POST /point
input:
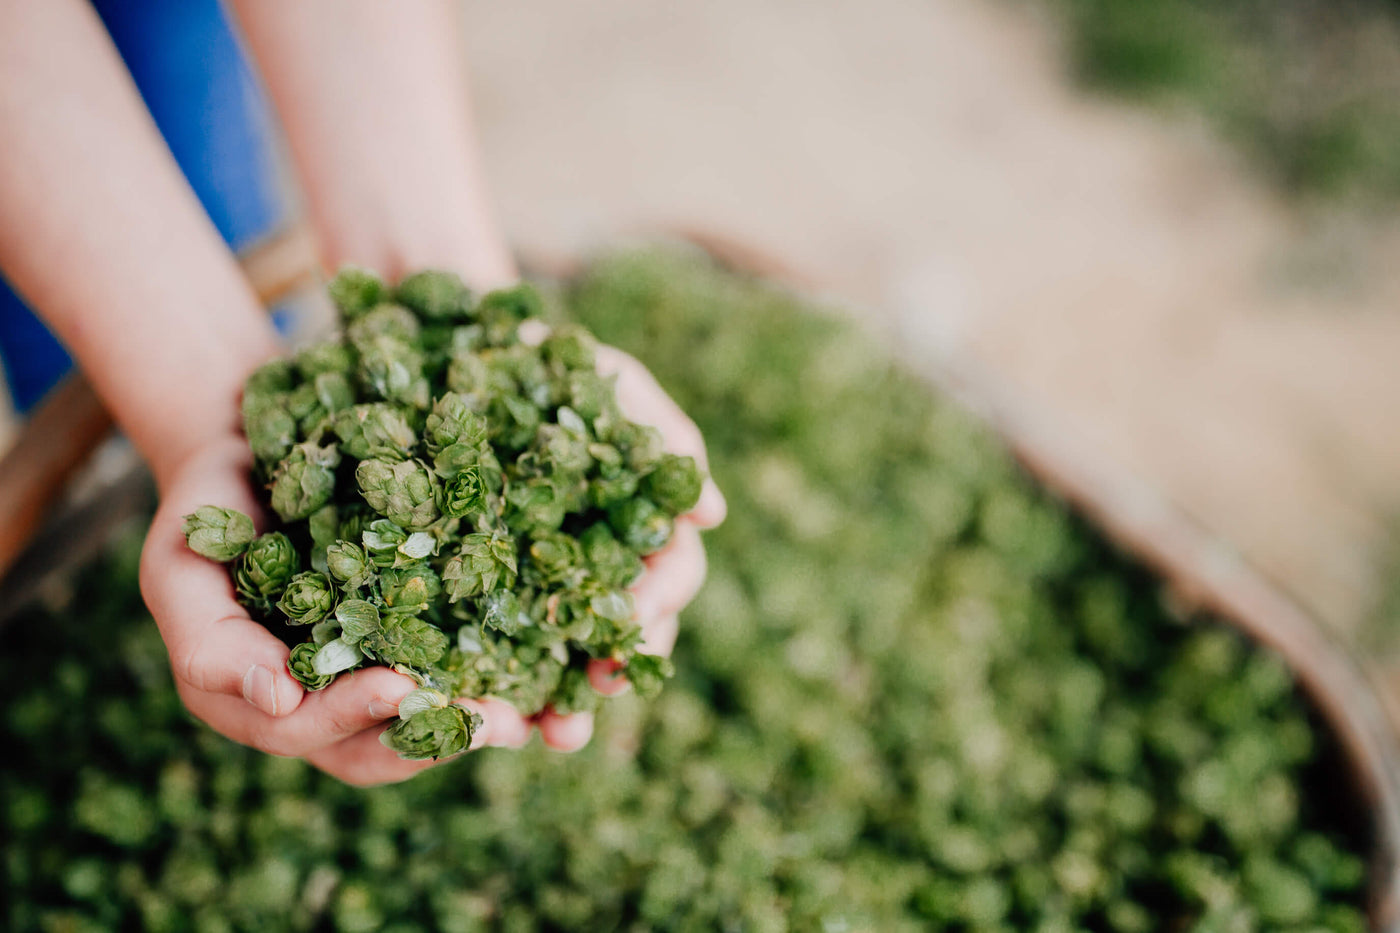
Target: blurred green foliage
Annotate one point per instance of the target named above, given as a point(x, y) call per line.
point(915, 694)
point(1308, 88)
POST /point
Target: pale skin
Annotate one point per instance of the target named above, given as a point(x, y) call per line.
point(103, 237)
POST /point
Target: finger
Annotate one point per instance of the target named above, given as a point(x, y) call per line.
point(565, 733)
point(605, 676)
point(364, 761)
point(673, 575)
point(501, 724)
point(353, 703)
point(659, 636)
point(213, 645)
point(710, 509)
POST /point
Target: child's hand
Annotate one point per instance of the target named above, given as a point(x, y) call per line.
point(231, 671)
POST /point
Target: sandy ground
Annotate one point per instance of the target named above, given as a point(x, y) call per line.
point(926, 163)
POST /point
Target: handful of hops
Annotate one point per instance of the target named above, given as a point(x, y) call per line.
point(456, 504)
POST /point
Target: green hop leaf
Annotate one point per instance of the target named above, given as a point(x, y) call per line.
point(435, 295)
point(307, 599)
point(405, 640)
point(218, 534)
point(301, 666)
point(483, 564)
point(432, 733)
point(265, 569)
point(335, 656)
point(304, 481)
point(405, 492)
point(357, 619)
point(674, 485)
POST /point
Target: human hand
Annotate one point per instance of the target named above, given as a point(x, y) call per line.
point(231, 671)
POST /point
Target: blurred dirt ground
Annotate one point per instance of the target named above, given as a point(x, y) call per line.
point(926, 164)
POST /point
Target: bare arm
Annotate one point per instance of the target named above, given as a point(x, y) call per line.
point(373, 101)
point(100, 232)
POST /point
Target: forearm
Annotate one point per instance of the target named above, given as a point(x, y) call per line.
point(101, 234)
point(372, 97)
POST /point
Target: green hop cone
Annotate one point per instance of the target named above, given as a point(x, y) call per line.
point(571, 348)
point(392, 369)
point(376, 429)
point(405, 640)
point(483, 564)
point(325, 358)
point(357, 618)
point(435, 296)
point(265, 569)
point(274, 377)
point(463, 494)
point(382, 540)
point(609, 561)
point(354, 291)
point(413, 586)
point(647, 673)
point(308, 599)
point(556, 560)
point(501, 610)
point(385, 321)
point(304, 481)
point(453, 421)
point(501, 312)
point(218, 534)
point(269, 427)
point(640, 524)
point(349, 565)
point(301, 666)
point(405, 492)
point(432, 733)
point(674, 485)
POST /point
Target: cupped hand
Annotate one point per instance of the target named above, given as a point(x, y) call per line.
point(231, 672)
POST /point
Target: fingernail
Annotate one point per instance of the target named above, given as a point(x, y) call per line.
point(382, 709)
point(260, 689)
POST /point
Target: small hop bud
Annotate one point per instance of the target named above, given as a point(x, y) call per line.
point(349, 565)
point(484, 564)
point(609, 561)
point(354, 290)
point(641, 445)
point(301, 665)
point(640, 524)
point(405, 640)
point(271, 378)
point(435, 295)
point(570, 348)
point(218, 534)
point(432, 733)
point(453, 421)
point(393, 370)
point(647, 673)
point(674, 485)
point(464, 494)
point(328, 357)
point(501, 610)
point(412, 586)
point(397, 324)
point(270, 428)
point(308, 599)
point(556, 559)
point(376, 429)
point(267, 566)
point(382, 540)
point(501, 312)
point(304, 481)
point(405, 492)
